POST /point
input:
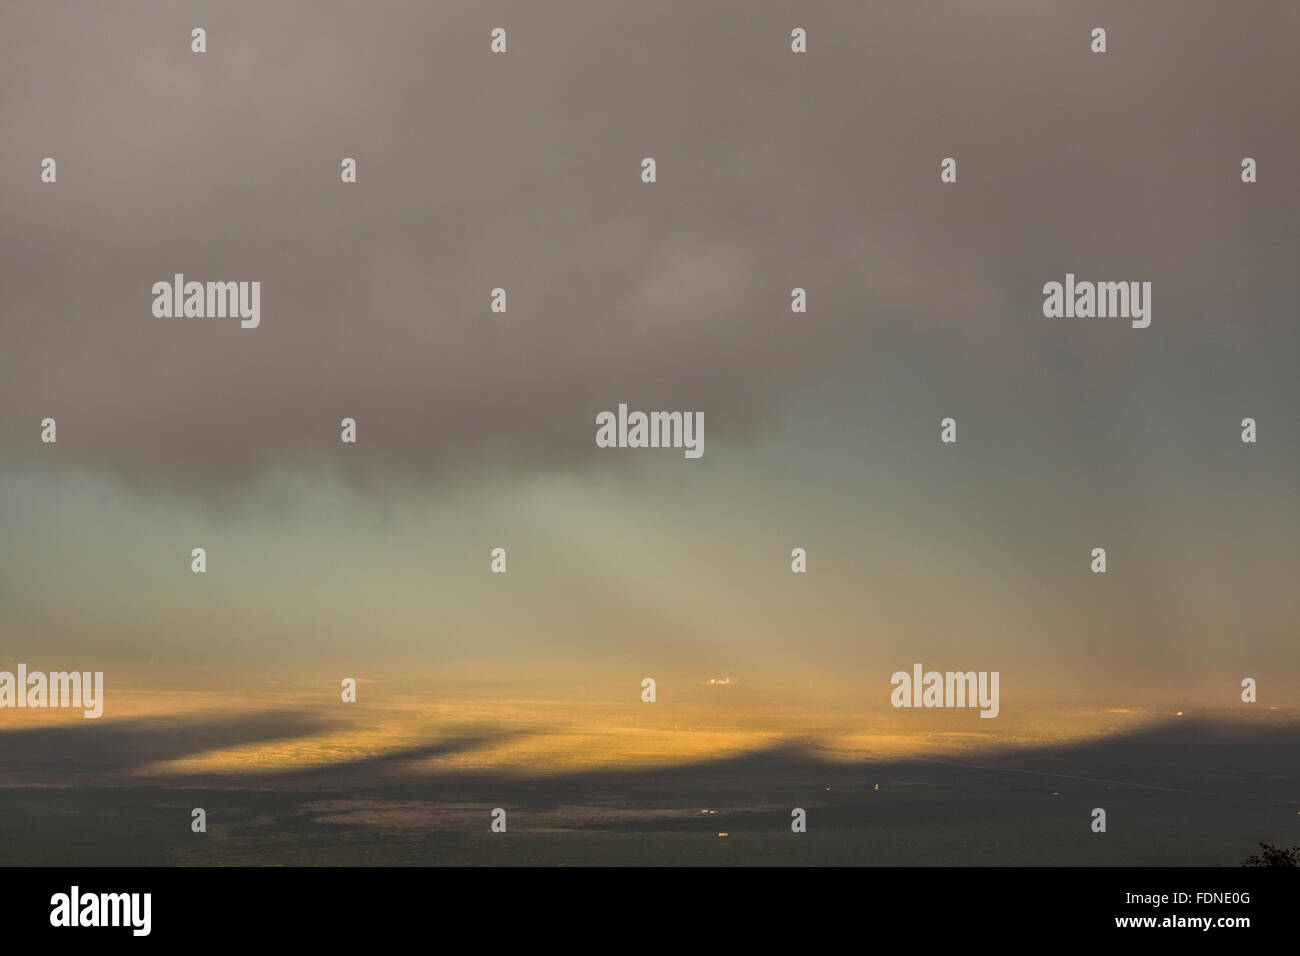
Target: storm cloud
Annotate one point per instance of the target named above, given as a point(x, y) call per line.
point(522, 171)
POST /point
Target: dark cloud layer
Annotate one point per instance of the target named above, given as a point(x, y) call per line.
point(522, 171)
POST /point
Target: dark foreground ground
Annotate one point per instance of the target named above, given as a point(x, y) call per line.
point(1185, 794)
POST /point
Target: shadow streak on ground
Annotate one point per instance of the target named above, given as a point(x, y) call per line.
point(1182, 793)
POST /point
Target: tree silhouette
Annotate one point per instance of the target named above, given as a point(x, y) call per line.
point(1274, 856)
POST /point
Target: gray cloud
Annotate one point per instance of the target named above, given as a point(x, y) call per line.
point(522, 171)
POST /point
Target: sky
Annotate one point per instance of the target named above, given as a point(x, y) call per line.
point(476, 429)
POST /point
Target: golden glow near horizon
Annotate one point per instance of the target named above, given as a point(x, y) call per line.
point(418, 735)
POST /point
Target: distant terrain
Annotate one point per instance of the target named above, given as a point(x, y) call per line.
point(1177, 792)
